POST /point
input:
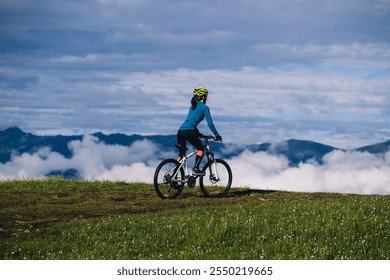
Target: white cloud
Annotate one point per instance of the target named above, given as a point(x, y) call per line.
point(353, 55)
point(344, 172)
point(78, 59)
point(92, 159)
point(136, 172)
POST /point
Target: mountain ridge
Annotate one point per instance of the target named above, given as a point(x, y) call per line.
point(14, 141)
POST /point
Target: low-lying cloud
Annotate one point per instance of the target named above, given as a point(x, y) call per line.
point(344, 172)
point(92, 159)
point(341, 171)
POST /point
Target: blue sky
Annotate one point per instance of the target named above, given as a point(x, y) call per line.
point(304, 69)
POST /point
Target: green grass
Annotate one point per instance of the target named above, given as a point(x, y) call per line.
point(66, 219)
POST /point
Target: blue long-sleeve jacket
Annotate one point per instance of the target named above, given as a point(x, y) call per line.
point(196, 116)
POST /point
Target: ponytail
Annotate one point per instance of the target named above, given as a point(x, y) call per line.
point(194, 102)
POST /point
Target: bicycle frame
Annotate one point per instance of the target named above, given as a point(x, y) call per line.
point(210, 157)
point(183, 162)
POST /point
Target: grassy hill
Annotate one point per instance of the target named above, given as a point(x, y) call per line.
point(69, 219)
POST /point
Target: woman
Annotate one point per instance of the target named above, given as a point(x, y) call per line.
point(188, 131)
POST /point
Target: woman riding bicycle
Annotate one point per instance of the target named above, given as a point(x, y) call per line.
point(188, 131)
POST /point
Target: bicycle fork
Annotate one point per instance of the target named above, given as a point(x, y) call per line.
point(214, 175)
point(213, 168)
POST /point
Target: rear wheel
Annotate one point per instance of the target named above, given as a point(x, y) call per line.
point(165, 183)
point(217, 179)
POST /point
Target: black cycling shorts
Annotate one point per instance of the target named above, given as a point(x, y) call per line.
point(191, 136)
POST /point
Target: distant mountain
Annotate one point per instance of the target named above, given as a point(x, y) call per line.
point(14, 141)
point(296, 150)
point(379, 148)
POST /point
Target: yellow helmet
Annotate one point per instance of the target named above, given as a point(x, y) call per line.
point(200, 92)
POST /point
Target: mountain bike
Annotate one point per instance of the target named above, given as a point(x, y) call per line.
point(171, 176)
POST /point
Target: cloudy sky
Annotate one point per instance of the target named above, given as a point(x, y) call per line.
point(275, 69)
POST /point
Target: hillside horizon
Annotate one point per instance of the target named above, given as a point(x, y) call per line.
point(14, 139)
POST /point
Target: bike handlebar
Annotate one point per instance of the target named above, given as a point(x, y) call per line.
point(208, 137)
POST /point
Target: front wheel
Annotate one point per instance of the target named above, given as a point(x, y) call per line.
point(217, 179)
point(168, 182)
